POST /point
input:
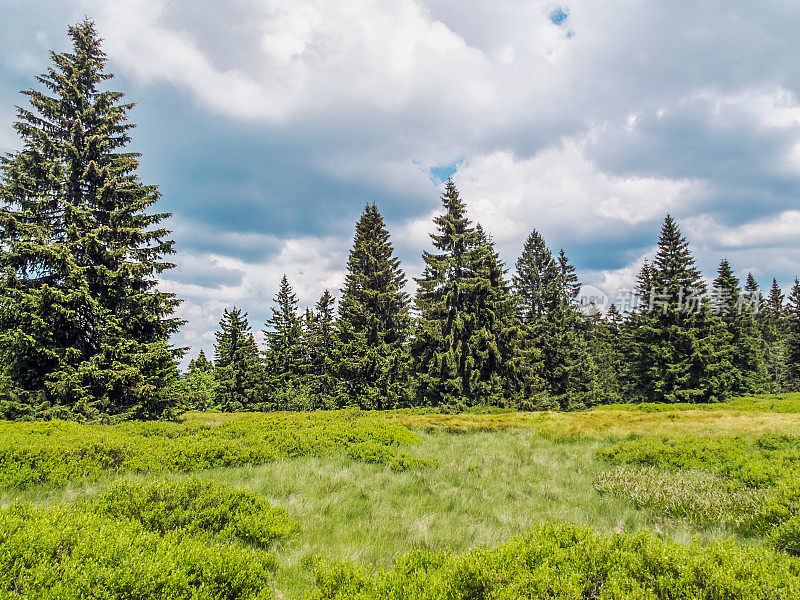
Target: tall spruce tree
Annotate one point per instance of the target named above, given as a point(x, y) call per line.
point(772, 321)
point(748, 358)
point(680, 351)
point(546, 288)
point(457, 348)
point(512, 365)
point(321, 346)
point(84, 330)
point(237, 368)
point(374, 321)
point(792, 324)
point(284, 357)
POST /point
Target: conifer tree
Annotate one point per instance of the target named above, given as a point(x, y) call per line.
point(606, 347)
point(84, 330)
point(536, 281)
point(680, 351)
point(772, 321)
point(373, 319)
point(284, 358)
point(792, 324)
point(201, 363)
point(200, 383)
point(748, 360)
point(546, 289)
point(237, 368)
point(511, 363)
point(321, 346)
point(569, 279)
point(457, 348)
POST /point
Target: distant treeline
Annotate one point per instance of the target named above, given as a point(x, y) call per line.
point(85, 331)
point(474, 336)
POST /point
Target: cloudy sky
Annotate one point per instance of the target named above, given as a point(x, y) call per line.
point(269, 124)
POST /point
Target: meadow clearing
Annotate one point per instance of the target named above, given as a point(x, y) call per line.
point(647, 501)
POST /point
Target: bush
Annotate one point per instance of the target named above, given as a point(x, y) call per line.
point(56, 452)
point(786, 537)
point(196, 507)
point(750, 462)
point(61, 553)
point(370, 452)
point(700, 497)
point(567, 562)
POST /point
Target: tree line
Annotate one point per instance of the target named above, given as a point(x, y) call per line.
point(85, 331)
point(473, 335)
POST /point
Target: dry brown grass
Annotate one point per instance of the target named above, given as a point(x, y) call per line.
point(600, 424)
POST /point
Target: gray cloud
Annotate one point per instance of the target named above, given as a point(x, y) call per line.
point(268, 126)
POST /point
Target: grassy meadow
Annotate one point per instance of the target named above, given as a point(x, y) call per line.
point(649, 501)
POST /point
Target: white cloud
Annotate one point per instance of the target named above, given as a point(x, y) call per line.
point(311, 265)
point(560, 191)
point(774, 231)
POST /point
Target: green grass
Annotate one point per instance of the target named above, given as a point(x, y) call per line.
point(57, 452)
point(486, 488)
point(361, 487)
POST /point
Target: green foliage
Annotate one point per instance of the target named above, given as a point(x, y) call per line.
point(284, 358)
point(397, 460)
point(54, 453)
point(237, 368)
point(545, 288)
point(767, 463)
point(196, 507)
point(563, 561)
point(679, 350)
point(84, 331)
point(746, 462)
point(321, 348)
point(786, 536)
point(792, 343)
point(704, 499)
point(467, 346)
point(748, 349)
point(62, 553)
point(374, 321)
point(200, 384)
point(788, 403)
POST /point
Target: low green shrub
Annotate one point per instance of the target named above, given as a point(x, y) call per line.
point(786, 536)
point(752, 484)
point(700, 497)
point(396, 459)
point(55, 452)
point(568, 562)
point(750, 462)
point(61, 553)
point(197, 507)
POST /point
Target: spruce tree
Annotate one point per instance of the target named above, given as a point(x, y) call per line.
point(321, 345)
point(606, 348)
point(84, 330)
point(792, 324)
point(546, 289)
point(374, 321)
point(237, 368)
point(511, 364)
point(200, 383)
point(569, 279)
point(748, 360)
point(772, 321)
point(284, 358)
point(461, 341)
point(680, 351)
